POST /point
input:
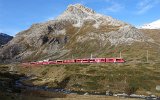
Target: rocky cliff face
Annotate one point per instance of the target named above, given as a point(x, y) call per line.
point(78, 31)
point(4, 38)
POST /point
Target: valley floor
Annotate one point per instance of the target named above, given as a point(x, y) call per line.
point(142, 79)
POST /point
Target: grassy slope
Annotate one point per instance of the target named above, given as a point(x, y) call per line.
point(90, 78)
point(137, 77)
point(152, 33)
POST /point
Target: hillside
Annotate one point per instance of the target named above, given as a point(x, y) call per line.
point(154, 33)
point(4, 39)
point(78, 32)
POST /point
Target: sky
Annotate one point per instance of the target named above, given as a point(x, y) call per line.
point(19, 15)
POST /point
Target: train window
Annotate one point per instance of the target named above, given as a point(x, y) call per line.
point(102, 59)
point(59, 61)
point(110, 59)
point(92, 59)
point(118, 60)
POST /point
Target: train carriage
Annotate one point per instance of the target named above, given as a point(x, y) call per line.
point(120, 60)
point(59, 61)
point(45, 62)
point(69, 61)
point(110, 60)
point(98, 60)
point(78, 60)
point(52, 62)
point(81, 60)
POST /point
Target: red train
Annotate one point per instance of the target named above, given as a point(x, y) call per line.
point(74, 61)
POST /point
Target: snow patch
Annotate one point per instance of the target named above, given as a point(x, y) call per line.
point(152, 25)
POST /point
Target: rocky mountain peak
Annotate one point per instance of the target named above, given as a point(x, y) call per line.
point(78, 14)
point(79, 9)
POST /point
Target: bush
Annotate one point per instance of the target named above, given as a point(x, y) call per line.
point(131, 88)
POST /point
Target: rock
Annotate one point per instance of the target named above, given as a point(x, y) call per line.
point(86, 93)
point(158, 87)
point(148, 92)
point(109, 93)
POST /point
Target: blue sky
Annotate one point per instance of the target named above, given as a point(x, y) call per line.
point(18, 15)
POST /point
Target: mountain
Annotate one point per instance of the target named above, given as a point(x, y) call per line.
point(152, 25)
point(4, 38)
point(77, 32)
